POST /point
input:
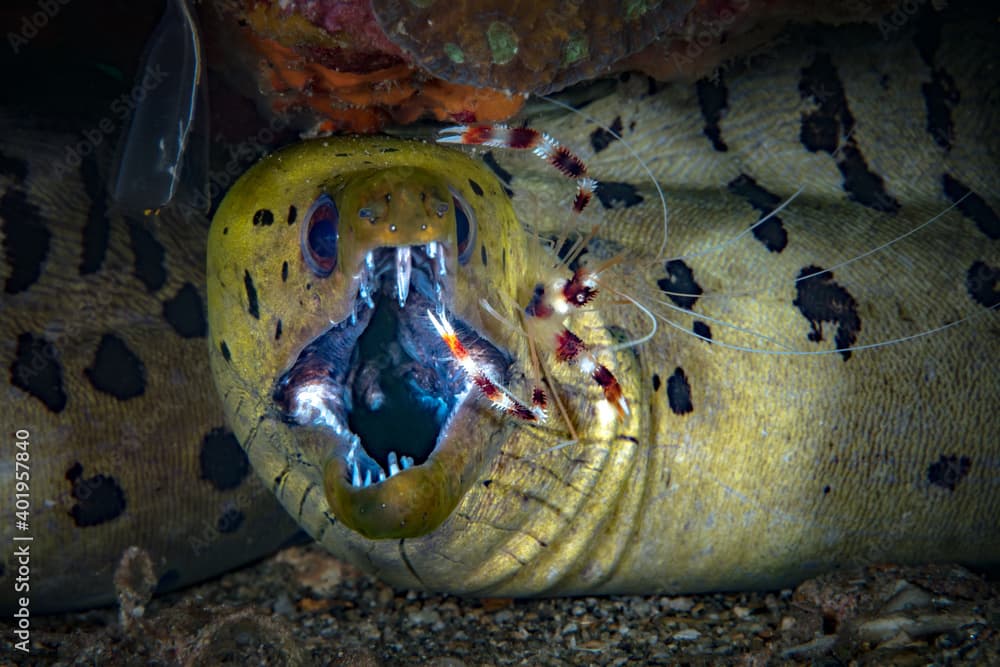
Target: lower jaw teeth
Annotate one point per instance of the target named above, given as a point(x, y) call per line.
point(397, 464)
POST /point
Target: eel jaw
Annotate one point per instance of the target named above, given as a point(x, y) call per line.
point(383, 389)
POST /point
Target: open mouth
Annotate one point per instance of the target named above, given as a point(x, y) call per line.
point(382, 382)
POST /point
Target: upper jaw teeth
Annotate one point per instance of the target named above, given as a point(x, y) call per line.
point(403, 264)
point(397, 464)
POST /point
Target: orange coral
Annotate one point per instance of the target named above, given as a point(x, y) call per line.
point(303, 68)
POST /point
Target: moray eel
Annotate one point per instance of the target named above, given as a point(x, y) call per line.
point(736, 468)
point(104, 329)
point(821, 390)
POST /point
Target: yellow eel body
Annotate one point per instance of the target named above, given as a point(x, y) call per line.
point(821, 389)
point(838, 405)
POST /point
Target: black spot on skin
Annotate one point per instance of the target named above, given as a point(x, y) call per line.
point(97, 231)
point(478, 189)
point(568, 244)
point(13, 168)
point(601, 138)
point(826, 489)
point(3, 570)
point(505, 176)
point(482, 254)
point(940, 95)
point(117, 370)
point(760, 198)
point(863, 185)
point(771, 232)
point(972, 206)
point(277, 331)
point(713, 98)
point(167, 581)
point(279, 481)
point(487, 482)
point(148, 254)
point(615, 195)
point(820, 299)
point(293, 214)
point(186, 312)
point(284, 272)
point(702, 329)
point(225, 230)
point(225, 351)
point(983, 283)
point(36, 370)
point(822, 129)
point(948, 471)
point(230, 521)
point(656, 382)
point(252, 307)
point(680, 284)
point(224, 464)
point(99, 498)
point(679, 393)
point(25, 241)
point(263, 217)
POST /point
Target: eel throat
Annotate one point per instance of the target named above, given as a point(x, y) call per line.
point(383, 387)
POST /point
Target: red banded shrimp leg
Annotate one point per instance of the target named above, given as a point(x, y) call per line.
point(526, 138)
point(551, 304)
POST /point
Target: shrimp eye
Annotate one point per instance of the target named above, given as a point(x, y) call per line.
point(465, 228)
point(320, 234)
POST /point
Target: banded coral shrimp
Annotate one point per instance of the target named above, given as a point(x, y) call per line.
point(788, 212)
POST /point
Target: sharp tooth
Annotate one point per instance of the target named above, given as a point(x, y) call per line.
point(368, 477)
point(381, 475)
point(370, 262)
point(356, 474)
point(364, 291)
point(393, 464)
point(403, 266)
point(432, 249)
point(406, 462)
point(442, 269)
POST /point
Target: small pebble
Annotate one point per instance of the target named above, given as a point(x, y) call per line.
point(679, 604)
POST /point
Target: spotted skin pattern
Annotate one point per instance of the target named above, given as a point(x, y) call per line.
point(103, 329)
point(736, 470)
point(771, 446)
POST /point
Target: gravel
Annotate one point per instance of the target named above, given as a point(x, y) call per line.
point(303, 607)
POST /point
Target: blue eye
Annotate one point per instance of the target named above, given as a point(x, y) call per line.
point(320, 234)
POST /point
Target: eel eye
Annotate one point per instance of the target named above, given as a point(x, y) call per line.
point(465, 228)
point(320, 233)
